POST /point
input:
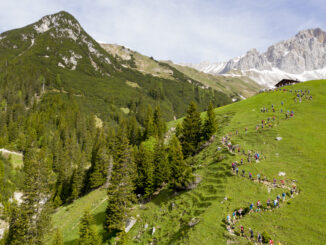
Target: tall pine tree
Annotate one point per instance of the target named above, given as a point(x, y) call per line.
point(191, 131)
point(57, 238)
point(159, 124)
point(120, 189)
point(161, 164)
point(98, 171)
point(145, 171)
point(31, 221)
point(210, 124)
point(149, 123)
point(87, 231)
point(181, 174)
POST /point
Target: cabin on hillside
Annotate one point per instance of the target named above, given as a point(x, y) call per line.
point(285, 82)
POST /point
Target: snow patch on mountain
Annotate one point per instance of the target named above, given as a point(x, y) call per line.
point(268, 78)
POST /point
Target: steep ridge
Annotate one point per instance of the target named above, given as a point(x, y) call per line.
point(234, 87)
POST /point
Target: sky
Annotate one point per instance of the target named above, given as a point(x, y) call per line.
point(184, 31)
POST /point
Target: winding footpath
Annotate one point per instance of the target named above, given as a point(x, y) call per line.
point(288, 187)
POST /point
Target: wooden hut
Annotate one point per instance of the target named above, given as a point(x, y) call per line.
point(285, 82)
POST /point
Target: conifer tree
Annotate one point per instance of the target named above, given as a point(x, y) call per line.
point(78, 177)
point(191, 131)
point(210, 124)
point(149, 123)
point(87, 232)
point(161, 164)
point(181, 174)
point(145, 171)
point(57, 238)
point(122, 238)
point(178, 131)
point(159, 124)
point(133, 131)
point(29, 223)
point(98, 170)
point(120, 189)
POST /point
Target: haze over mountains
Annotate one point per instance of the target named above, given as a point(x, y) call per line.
point(301, 57)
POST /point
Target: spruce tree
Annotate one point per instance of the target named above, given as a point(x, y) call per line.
point(78, 178)
point(87, 231)
point(178, 131)
point(210, 124)
point(181, 174)
point(145, 171)
point(191, 131)
point(122, 238)
point(149, 124)
point(161, 164)
point(98, 170)
point(120, 189)
point(57, 238)
point(31, 221)
point(159, 124)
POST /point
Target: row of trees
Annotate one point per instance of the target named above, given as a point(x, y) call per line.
point(74, 157)
point(192, 132)
point(156, 165)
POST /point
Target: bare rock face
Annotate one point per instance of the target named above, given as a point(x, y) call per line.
point(301, 57)
point(251, 60)
point(306, 51)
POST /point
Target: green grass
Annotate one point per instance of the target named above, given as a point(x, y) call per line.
point(67, 218)
point(232, 86)
point(301, 155)
point(17, 161)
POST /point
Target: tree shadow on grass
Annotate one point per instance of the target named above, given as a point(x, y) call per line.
point(99, 219)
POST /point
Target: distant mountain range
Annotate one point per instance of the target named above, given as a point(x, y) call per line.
point(301, 57)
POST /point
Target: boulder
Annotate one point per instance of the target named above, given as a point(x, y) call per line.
point(193, 222)
point(130, 223)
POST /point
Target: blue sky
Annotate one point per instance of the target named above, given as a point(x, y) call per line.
point(179, 30)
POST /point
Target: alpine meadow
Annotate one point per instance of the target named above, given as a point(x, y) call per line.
point(101, 144)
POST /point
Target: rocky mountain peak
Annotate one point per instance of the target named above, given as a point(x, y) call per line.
point(317, 33)
point(302, 57)
point(62, 23)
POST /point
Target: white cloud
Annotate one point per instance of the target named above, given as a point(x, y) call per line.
point(180, 30)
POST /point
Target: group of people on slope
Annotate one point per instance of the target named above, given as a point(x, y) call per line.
point(259, 236)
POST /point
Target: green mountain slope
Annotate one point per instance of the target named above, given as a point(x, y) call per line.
point(56, 54)
point(198, 216)
point(232, 86)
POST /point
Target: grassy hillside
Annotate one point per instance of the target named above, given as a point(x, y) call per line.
point(232, 86)
point(300, 155)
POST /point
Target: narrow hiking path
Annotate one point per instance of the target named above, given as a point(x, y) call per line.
point(288, 188)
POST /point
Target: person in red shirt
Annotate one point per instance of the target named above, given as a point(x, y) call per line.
point(271, 242)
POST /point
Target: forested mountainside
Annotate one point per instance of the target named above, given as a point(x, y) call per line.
point(78, 119)
point(55, 53)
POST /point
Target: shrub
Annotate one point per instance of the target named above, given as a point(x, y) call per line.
point(266, 237)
